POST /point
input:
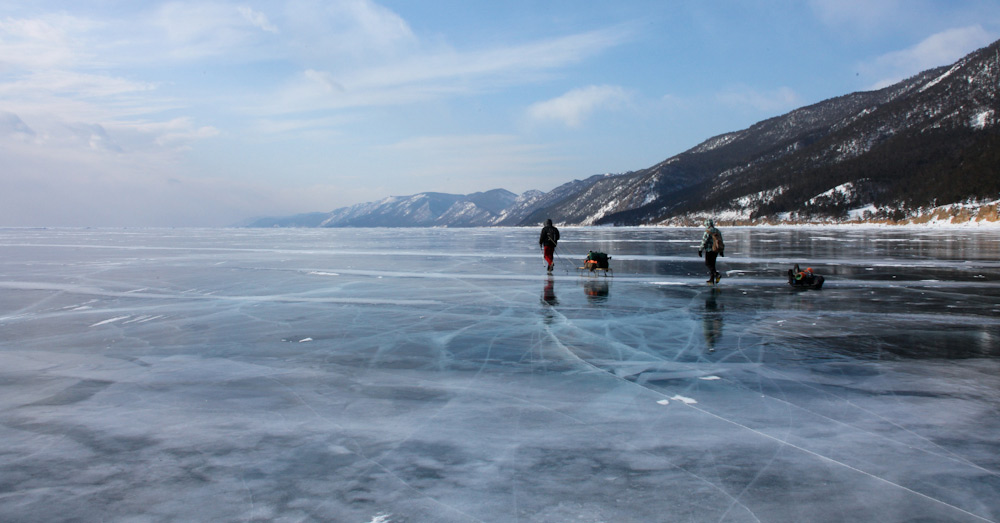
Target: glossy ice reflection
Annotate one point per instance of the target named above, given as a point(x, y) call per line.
point(440, 375)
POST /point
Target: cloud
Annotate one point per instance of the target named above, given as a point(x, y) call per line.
point(100, 108)
point(326, 126)
point(359, 54)
point(464, 145)
point(508, 62)
point(936, 50)
point(102, 113)
point(11, 125)
point(170, 32)
point(258, 19)
point(426, 76)
point(572, 108)
point(780, 99)
point(333, 31)
point(68, 76)
point(379, 27)
point(177, 132)
point(51, 40)
point(55, 67)
point(324, 80)
point(70, 83)
point(864, 16)
point(95, 137)
point(188, 31)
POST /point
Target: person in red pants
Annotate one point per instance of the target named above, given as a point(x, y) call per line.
point(547, 241)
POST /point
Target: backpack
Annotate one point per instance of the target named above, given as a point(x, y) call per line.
point(717, 244)
point(600, 258)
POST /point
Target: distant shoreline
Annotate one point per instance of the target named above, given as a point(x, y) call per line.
point(937, 224)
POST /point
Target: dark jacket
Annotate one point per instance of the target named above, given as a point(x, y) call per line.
point(550, 235)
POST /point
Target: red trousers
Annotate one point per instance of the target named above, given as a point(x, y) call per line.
point(548, 252)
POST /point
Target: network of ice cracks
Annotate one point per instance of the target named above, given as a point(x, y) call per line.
point(441, 375)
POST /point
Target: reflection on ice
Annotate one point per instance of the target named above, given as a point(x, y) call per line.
point(711, 321)
point(597, 290)
point(440, 375)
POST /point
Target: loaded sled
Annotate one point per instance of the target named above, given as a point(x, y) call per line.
point(595, 262)
point(804, 279)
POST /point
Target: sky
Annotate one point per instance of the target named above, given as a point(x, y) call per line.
point(115, 113)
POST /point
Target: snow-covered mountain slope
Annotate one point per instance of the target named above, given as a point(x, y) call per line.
point(932, 139)
point(923, 143)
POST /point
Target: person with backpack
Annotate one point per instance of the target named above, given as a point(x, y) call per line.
point(712, 246)
point(547, 241)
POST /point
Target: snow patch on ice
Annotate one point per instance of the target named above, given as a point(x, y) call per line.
point(710, 378)
point(684, 399)
point(663, 402)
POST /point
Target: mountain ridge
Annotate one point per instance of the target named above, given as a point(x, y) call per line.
point(890, 156)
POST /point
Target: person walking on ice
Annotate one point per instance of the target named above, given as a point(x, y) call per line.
point(712, 246)
point(547, 241)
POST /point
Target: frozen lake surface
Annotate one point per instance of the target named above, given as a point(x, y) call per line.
point(439, 375)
